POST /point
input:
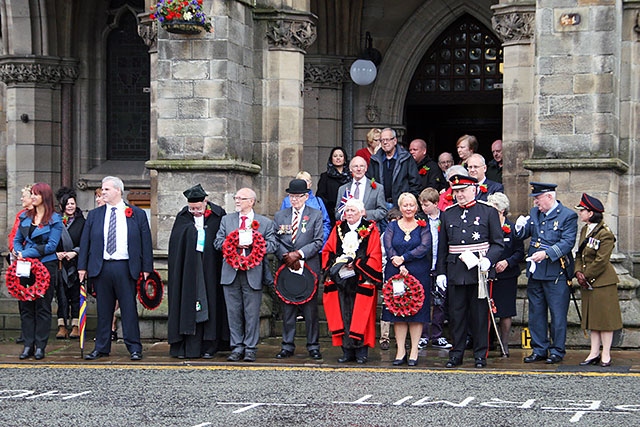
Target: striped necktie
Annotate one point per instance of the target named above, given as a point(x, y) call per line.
point(111, 234)
point(294, 227)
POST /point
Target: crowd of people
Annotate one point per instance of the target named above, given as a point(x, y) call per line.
point(431, 239)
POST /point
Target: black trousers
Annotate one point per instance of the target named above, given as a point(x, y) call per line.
point(114, 282)
point(35, 316)
point(466, 309)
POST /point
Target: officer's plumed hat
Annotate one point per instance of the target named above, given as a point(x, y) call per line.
point(297, 186)
point(538, 188)
point(195, 194)
point(590, 203)
point(459, 182)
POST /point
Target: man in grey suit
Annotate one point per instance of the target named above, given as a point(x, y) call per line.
point(371, 194)
point(243, 286)
point(299, 236)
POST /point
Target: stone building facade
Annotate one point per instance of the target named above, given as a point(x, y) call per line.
point(97, 88)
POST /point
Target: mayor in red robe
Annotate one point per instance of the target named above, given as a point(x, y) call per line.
point(352, 265)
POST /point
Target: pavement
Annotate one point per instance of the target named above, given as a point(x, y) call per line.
point(156, 353)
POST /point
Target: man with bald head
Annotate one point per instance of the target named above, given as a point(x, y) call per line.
point(494, 167)
point(242, 286)
point(477, 169)
point(361, 188)
point(428, 171)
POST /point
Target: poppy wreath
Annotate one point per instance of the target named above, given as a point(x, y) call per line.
point(408, 303)
point(150, 291)
point(239, 261)
point(33, 292)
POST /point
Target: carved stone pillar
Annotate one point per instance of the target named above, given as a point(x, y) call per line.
point(514, 23)
point(288, 34)
point(34, 120)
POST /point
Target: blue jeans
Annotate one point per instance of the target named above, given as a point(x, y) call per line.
point(554, 297)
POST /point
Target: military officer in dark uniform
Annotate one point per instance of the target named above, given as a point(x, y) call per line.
point(553, 229)
point(470, 238)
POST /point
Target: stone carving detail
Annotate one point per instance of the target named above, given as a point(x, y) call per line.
point(514, 26)
point(333, 74)
point(636, 27)
point(32, 70)
point(148, 31)
point(373, 113)
point(290, 34)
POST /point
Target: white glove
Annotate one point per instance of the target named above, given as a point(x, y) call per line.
point(485, 264)
point(441, 282)
point(521, 222)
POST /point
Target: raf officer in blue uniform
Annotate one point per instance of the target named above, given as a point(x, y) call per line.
point(553, 229)
point(469, 229)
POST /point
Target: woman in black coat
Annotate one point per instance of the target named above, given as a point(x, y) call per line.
point(68, 285)
point(505, 285)
point(330, 181)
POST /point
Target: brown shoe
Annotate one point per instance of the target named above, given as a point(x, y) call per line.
point(62, 334)
point(75, 333)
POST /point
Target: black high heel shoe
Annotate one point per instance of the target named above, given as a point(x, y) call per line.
point(399, 362)
point(592, 361)
point(605, 364)
point(412, 362)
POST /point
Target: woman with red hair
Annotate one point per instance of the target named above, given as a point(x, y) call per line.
point(37, 237)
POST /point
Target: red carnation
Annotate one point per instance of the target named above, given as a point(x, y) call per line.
point(373, 183)
point(207, 212)
point(483, 188)
point(506, 228)
point(423, 170)
point(422, 223)
point(128, 212)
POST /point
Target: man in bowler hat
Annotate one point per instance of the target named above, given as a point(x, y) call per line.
point(553, 229)
point(299, 238)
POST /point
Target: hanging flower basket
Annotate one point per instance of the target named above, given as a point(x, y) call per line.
point(183, 27)
point(181, 16)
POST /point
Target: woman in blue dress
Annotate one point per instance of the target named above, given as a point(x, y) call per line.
point(407, 243)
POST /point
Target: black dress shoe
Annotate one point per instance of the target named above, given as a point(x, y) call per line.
point(592, 361)
point(399, 362)
point(453, 362)
point(554, 358)
point(39, 354)
point(136, 355)
point(95, 354)
point(361, 360)
point(26, 352)
point(481, 362)
point(235, 356)
point(315, 354)
point(534, 358)
point(207, 355)
point(412, 362)
point(345, 359)
point(285, 353)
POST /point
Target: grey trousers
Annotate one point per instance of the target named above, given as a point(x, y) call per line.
point(243, 313)
point(310, 312)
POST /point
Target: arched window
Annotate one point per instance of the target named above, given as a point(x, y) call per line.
point(128, 104)
point(462, 64)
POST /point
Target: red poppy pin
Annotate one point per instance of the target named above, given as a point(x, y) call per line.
point(421, 222)
point(255, 224)
point(363, 231)
point(373, 183)
point(128, 212)
point(483, 188)
point(506, 228)
point(423, 170)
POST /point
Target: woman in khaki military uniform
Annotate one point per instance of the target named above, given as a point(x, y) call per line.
point(598, 279)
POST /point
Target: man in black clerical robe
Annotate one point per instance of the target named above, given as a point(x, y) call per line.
point(197, 325)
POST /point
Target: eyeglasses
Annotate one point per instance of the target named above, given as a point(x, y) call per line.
point(474, 167)
point(446, 162)
point(242, 199)
point(387, 139)
point(196, 211)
